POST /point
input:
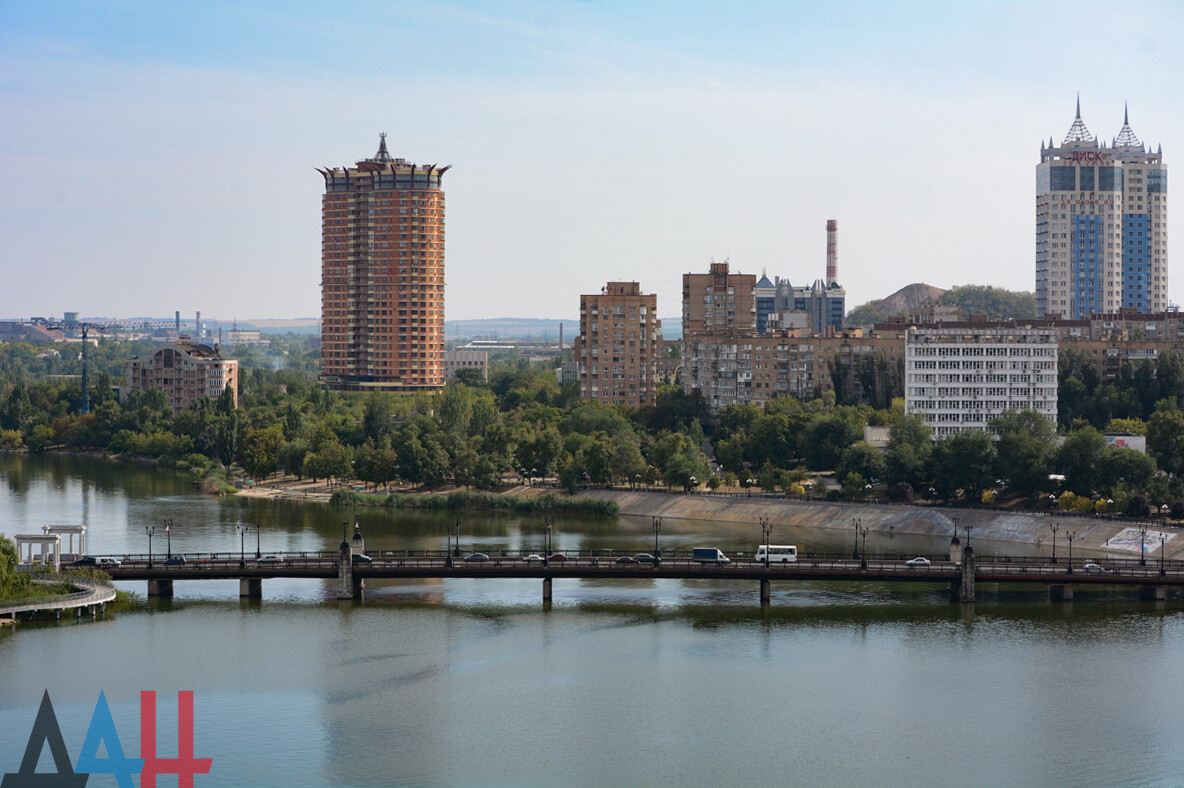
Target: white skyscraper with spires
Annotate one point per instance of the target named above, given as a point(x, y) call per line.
point(1101, 225)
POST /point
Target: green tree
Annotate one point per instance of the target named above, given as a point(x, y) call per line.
point(1079, 459)
point(964, 461)
point(259, 451)
point(906, 458)
point(863, 458)
point(1024, 450)
point(1165, 440)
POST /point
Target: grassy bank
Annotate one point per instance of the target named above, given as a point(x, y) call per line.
point(468, 499)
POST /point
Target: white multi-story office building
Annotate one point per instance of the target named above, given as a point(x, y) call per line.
point(959, 376)
point(1101, 225)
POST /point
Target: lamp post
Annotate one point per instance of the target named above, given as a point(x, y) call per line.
point(547, 542)
point(694, 483)
point(767, 534)
point(242, 546)
point(1054, 528)
point(955, 520)
point(1142, 546)
point(1163, 540)
point(534, 472)
point(855, 521)
point(150, 529)
point(258, 552)
point(1071, 535)
point(968, 527)
point(657, 530)
point(168, 531)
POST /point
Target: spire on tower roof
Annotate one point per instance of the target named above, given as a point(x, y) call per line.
point(1078, 132)
point(383, 155)
point(1126, 138)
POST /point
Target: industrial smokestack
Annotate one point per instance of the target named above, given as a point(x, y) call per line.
point(177, 317)
point(197, 326)
point(832, 250)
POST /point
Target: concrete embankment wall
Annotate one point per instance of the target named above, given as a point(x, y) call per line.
point(1092, 535)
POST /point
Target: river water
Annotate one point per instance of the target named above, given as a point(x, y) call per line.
point(473, 682)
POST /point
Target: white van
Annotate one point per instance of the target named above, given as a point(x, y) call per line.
point(777, 553)
point(110, 563)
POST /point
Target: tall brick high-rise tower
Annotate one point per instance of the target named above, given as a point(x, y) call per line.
point(382, 275)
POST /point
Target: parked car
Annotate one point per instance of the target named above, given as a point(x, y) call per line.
point(918, 561)
point(176, 560)
point(476, 558)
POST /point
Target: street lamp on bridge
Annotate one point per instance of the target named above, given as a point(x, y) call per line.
point(1142, 544)
point(657, 530)
point(1071, 535)
point(168, 531)
point(1054, 528)
point(150, 529)
point(258, 552)
point(855, 522)
point(242, 546)
point(767, 534)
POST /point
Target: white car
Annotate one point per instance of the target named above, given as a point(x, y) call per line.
point(918, 561)
point(533, 557)
point(1094, 568)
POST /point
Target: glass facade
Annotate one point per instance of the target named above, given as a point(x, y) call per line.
point(1064, 179)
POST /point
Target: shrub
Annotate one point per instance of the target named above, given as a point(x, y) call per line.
point(1138, 506)
point(901, 492)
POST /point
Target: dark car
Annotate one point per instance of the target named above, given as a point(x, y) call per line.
point(557, 557)
point(626, 559)
point(86, 560)
point(476, 558)
point(644, 558)
point(176, 560)
point(362, 558)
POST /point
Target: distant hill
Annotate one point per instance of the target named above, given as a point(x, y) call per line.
point(911, 298)
point(996, 303)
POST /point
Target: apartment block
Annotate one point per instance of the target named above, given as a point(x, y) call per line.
point(619, 345)
point(186, 372)
point(382, 275)
point(959, 376)
point(1101, 224)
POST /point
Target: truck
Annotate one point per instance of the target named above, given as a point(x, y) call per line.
point(709, 555)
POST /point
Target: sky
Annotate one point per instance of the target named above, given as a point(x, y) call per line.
point(161, 156)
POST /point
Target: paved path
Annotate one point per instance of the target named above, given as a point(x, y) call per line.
point(89, 593)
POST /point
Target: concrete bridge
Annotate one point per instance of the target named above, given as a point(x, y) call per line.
point(961, 572)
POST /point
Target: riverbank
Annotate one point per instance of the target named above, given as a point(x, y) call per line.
point(1091, 536)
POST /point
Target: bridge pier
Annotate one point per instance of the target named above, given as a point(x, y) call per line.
point(962, 590)
point(345, 572)
point(161, 588)
point(766, 591)
point(547, 590)
point(1060, 592)
point(1153, 593)
point(250, 588)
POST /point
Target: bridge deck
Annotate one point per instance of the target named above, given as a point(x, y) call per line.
point(1018, 570)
